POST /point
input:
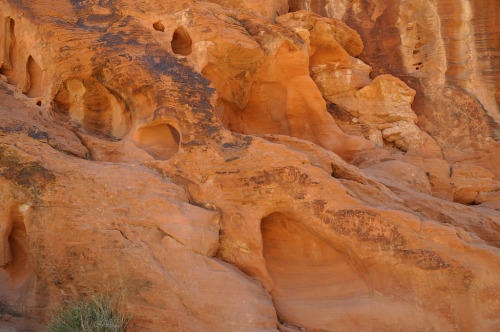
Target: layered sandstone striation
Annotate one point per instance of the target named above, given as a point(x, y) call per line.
point(251, 165)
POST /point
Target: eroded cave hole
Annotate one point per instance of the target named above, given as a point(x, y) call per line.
point(181, 42)
point(158, 26)
point(161, 141)
point(120, 114)
point(18, 271)
point(264, 113)
point(309, 275)
point(10, 52)
point(8, 43)
point(94, 106)
point(35, 75)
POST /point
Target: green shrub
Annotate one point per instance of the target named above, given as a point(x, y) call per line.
point(95, 315)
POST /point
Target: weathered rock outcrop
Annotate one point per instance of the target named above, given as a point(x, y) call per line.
point(229, 166)
point(447, 51)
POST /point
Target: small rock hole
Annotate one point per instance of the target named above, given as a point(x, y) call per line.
point(158, 26)
point(181, 42)
point(161, 141)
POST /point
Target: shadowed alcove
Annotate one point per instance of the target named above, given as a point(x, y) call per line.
point(181, 42)
point(311, 278)
point(161, 141)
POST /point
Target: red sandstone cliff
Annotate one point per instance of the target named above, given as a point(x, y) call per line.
point(322, 165)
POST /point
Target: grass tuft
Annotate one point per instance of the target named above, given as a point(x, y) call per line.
point(95, 315)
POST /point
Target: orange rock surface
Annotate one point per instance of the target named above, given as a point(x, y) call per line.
point(241, 165)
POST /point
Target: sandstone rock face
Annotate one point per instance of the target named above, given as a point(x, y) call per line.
point(383, 105)
point(446, 51)
point(230, 166)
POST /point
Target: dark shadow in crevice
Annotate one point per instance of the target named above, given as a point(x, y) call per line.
point(158, 26)
point(181, 42)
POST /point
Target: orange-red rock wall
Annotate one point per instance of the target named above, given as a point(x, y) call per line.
point(230, 166)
